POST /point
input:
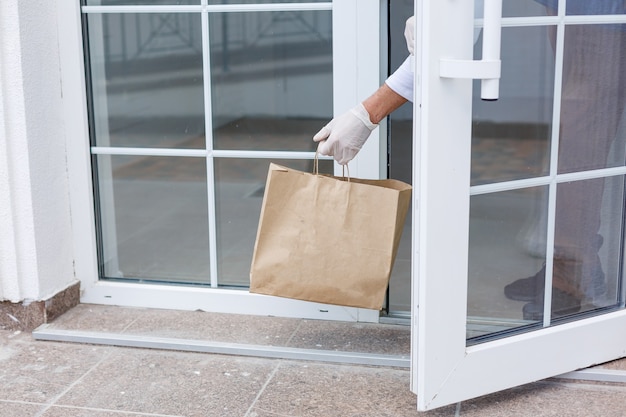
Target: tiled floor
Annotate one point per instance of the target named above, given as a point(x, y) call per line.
point(51, 378)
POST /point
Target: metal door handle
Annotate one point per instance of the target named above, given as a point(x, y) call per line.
point(487, 69)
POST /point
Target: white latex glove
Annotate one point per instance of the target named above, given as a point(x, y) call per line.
point(343, 137)
point(409, 34)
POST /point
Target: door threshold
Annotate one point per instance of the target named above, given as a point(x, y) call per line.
point(45, 332)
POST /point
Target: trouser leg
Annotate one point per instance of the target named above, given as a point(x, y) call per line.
point(593, 94)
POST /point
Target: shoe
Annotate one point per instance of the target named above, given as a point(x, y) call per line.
point(563, 304)
point(526, 289)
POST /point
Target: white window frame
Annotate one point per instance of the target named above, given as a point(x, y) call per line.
point(356, 74)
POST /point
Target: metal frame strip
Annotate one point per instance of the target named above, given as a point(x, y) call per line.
point(44, 332)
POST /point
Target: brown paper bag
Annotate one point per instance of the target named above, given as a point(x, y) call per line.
point(328, 239)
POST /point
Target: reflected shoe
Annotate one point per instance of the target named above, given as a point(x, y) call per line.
point(526, 289)
point(563, 304)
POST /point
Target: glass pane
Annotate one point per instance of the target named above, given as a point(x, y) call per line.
point(518, 8)
point(146, 80)
point(271, 79)
point(153, 218)
point(581, 7)
point(400, 168)
point(507, 254)
point(589, 224)
point(400, 145)
point(240, 185)
point(511, 140)
point(594, 92)
point(510, 136)
point(507, 242)
point(587, 251)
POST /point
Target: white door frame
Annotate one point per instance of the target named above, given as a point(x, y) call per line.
point(444, 369)
point(356, 60)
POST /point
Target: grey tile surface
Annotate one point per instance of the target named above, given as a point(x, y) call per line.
point(233, 328)
point(307, 390)
point(551, 399)
point(39, 372)
point(54, 379)
point(172, 383)
point(90, 412)
point(353, 337)
point(99, 318)
point(15, 409)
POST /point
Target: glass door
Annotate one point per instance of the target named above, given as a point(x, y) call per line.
point(519, 243)
point(189, 102)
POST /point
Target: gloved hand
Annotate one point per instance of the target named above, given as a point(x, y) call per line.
point(409, 34)
point(343, 137)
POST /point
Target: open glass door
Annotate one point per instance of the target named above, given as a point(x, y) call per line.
point(519, 193)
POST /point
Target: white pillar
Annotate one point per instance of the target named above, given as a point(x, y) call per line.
point(36, 259)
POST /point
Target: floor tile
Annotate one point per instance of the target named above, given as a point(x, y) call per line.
point(321, 390)
point(172, 383)
point(90, 412)
point(353, 337)
point(550, 399)
point(11, 409)
point(39, 371)
point(215, 327)
point(100, 318)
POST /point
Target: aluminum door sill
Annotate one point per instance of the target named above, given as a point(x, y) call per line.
point(44, 332)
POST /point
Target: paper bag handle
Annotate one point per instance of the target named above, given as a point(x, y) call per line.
point(344, 168)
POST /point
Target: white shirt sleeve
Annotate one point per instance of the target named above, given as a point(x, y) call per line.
point(402, 80)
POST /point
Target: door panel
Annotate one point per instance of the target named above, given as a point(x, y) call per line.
point(521, 200)
point(188, 100)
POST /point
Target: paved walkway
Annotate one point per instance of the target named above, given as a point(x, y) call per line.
point(64, 379)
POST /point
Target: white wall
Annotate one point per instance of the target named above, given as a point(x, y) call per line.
point(36, 254)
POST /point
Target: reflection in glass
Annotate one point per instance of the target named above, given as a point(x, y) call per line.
point(271, 79)
point(146, 80)
point(400, 157)
point(153, 218)
point(594, 94)
point(583, 7)
point(507, 242)
point(240, 185)
point(588, 232)
point(520, 8)
point(510, 136)
point(400, 168)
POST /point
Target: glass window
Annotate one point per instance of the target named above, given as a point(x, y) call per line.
point(271, 79)
point(146, 80)
point(153, 218)
point(518, 8)
point(518, 123)
point(159, 187)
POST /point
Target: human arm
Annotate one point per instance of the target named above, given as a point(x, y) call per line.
point(344, 136)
